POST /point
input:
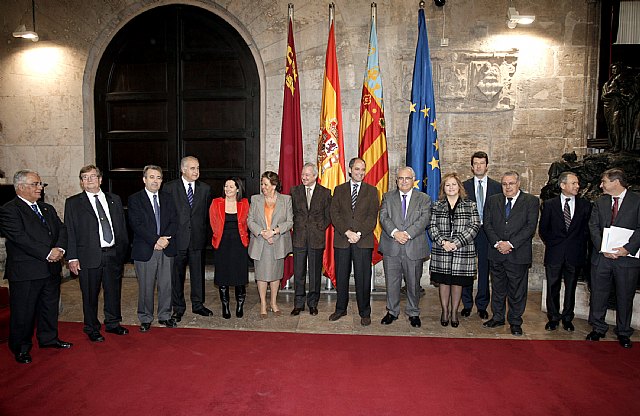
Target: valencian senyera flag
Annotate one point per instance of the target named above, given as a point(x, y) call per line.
point(291, 133)
point(331, 170)
point(422, 137)
point(373, 140)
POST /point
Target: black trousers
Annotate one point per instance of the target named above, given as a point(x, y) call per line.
point(33, 301)
point(107, 276)
point(509, 282)
point(303, 256)
point(483, 295)
point(556, 274)
point(625, 279)
point(195, 260)
point(361, 259)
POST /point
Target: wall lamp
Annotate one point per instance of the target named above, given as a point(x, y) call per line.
point(514, 18)
point(22, 32)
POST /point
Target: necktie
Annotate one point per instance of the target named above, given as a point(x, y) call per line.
point(354, 196)
point(404, 206)
point(190, 195)
point(614, 210)
point(156, 210)
point(480, 199)
point(308, 198)
point(507, 209)
point(567, 213)
point(34, 207)
point(104, 222)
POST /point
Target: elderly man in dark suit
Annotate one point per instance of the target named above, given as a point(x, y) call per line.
point(479, 189)
point(564, 230)
point(404, 216)
point(154, 222)
point(354, 214)
point(510, 221)
point(192, 199)
point(311, 204)
point(618, 207)
point(97, 250)
point(35, 240)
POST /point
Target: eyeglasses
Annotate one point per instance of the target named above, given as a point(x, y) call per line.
point(37, 184)
point(509, 184)
point(89, 177)
point(405, 178)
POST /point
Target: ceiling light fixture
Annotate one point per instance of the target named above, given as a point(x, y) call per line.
point(22, 32)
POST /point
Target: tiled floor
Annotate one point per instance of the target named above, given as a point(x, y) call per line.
point(533, 326)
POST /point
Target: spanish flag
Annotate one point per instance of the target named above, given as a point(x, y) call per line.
point(290, 134)
point(373, 141)
point(331, 170)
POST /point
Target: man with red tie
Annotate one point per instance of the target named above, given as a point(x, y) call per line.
point(618, 207)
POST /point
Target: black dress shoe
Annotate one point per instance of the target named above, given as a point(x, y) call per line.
point(624, 341)
point(366, 321)
point(483, 314)
point(176, 317)
point(95, 337)
point(551, 326)
point(568, 326)
point(491, 323)
point(313, 310)
point(415, 321)
point(169, 323)
point(145, 327)
point(202, 311)
point(594, 336)
point(516, 330)
point(388, 319)
point(466, 312)
point(119, 330)
point(296, 311)
point(337, 315)
point(57, 344)
point(23, 357)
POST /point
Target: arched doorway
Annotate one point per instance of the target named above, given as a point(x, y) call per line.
point(177, 80)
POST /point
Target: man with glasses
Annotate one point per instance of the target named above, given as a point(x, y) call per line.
point(479, 189)
point(97, 250)
point(35, 240)
point(510, 221)
point(404, 216)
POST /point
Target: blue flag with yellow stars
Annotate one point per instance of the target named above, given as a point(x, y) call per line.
point(422, 137)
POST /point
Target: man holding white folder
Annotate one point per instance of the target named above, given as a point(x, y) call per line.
point(618, 207)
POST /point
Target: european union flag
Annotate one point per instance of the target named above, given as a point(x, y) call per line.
point(422, 137)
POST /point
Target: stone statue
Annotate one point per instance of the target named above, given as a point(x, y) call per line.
point(621, 100)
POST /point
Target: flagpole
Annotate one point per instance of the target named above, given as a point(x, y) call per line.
point(332, 11)
point(373, 266)
point(291, 12)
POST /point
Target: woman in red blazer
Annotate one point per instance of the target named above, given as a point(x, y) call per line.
point(228, 217)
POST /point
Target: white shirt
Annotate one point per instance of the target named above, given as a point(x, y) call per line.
point(186, 183)
point(105, 206)
point(313, 188)
point(513, 199)
point(36, 204)
point(572, 203)
point(356, 183)
point(620, 198)
point(484, 181)
point(150, 196)
point(408, 194)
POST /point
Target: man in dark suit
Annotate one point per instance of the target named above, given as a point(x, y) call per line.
point(97, 250)
point(618, 207)
point(192, 199)
point(564, 230)
point(510, 221)
point(154, 221)
point(311, 204)
point(479, 189)
point(35, 240)
point(404, 216)
point(354, 214)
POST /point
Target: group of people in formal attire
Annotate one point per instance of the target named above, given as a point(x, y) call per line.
point(479, 229)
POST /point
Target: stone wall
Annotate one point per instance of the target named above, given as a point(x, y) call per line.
point(524, 95)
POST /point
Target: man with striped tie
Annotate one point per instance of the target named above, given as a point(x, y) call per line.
point(36, 240)
point(564, 230)
point(192, 199)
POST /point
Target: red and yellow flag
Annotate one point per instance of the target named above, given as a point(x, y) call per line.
point(291, 133)
point(373, 140)
point(331, 170)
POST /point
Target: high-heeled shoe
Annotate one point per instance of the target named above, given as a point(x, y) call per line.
point(263, 315)
point(454, 324)
point(442, 321)
point(276, 312)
